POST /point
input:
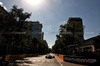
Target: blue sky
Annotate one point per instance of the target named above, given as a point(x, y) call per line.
point(53, 13)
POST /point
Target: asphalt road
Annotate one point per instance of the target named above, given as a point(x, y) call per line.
point(37, 61)
point(42, 61)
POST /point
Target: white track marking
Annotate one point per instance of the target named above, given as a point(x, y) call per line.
point(59, 62)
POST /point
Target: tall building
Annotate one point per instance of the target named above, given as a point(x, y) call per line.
point(37, 29)
point(4, 13)
point(77, 26)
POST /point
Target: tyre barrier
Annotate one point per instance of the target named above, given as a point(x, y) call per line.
point(60, 56)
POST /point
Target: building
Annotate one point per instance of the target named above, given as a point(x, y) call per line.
point(77, 27)
point(90, 41)
point(3, 12)
point(45, 42)
point(92, 44)
point(37, 29)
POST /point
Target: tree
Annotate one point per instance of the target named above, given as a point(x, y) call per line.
point(17, 33)
point(67, 36)
point(16, 28)
point(17, 19)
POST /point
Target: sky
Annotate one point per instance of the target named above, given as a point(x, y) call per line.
point(53, 13)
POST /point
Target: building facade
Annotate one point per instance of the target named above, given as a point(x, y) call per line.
point(3, 12)
point(77, 25)
point(37, 29)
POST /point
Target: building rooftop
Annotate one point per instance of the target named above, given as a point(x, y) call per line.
point(91, 38)
point(74, 19)
point(3, 11)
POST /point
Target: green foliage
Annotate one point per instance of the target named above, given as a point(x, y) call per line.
point(66, 37)
point(17, 33)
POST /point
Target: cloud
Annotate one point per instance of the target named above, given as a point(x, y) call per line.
point(3, 5)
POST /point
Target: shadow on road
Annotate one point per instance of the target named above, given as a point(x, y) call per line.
point(15, 62)
point(18, 61)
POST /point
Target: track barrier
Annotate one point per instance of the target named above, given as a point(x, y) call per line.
point(13, 57)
